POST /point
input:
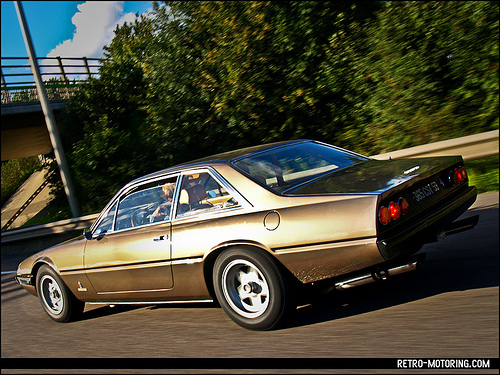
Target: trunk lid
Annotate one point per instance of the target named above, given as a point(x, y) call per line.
point(383, 177)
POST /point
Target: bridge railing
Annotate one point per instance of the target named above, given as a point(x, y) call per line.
point(60, 74)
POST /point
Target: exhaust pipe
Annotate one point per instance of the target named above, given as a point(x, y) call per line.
point(381, 274)
point(461, 225)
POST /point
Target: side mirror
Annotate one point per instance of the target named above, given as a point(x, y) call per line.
point(87, 233)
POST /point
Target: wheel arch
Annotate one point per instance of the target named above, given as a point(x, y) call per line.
point(211, 257)
point(36, 268)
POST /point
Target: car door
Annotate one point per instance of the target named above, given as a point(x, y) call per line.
point(130, 250)
point(203, 217)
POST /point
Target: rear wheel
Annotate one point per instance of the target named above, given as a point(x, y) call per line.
point(251, 289)
point(55, 297)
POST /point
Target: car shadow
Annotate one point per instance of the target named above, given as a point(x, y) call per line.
point(108, 310)
point(464, 261)
point(439, 277)
point(398, 290)
point(186, 305)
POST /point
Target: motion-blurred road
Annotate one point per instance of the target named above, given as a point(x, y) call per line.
point(447, 309)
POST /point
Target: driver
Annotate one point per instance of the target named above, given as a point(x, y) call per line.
point(163, 209)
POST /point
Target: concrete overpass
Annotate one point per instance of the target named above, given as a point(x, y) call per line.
point(23, 127)
point(24, 131)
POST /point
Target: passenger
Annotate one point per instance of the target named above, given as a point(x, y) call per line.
point(163, 210)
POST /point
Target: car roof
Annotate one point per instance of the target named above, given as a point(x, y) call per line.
point(222, 158)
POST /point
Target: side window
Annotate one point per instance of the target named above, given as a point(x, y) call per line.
point(200, 192)
point(148, 203)
point(106, 223)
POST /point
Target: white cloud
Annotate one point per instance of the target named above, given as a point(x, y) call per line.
point(95, 23)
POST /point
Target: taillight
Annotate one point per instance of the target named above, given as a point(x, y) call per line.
point(461, 174)
point(384, 215)
point(393, 211)
point(458, 175)
point(405, 206)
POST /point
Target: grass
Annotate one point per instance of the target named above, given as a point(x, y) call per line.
point(483, 174)
point(15, 172)
point(49, 214)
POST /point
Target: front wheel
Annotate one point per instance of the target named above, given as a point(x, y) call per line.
point(251, 289)
point(55, 297)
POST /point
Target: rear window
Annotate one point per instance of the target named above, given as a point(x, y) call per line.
point(286, 167)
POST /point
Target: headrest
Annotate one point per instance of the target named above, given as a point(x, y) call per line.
point(191, 195)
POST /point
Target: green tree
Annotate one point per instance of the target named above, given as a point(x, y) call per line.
point(432, 72)
point(104, 126)
point(199, 77)
point(14, 173)
point(230, 74)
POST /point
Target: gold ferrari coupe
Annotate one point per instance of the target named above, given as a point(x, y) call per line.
point(255, 229)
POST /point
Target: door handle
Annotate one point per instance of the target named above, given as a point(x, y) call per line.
point(161, 238)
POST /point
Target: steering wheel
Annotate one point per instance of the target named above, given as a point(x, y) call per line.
point(139, 217)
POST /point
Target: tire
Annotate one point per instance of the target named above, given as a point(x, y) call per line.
point(251, 289)
point(55, 297)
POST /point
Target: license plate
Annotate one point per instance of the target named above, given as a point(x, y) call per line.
point(425, 192)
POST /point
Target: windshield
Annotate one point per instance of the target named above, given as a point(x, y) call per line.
point(286, 167)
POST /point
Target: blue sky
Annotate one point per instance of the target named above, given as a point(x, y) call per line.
point(65, 28)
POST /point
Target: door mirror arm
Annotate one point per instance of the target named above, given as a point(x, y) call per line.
point(87, 233)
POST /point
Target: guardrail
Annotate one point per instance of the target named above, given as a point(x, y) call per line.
point(69, 225)
point(470, 147)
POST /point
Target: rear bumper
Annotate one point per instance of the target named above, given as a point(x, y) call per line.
point(434, 226)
